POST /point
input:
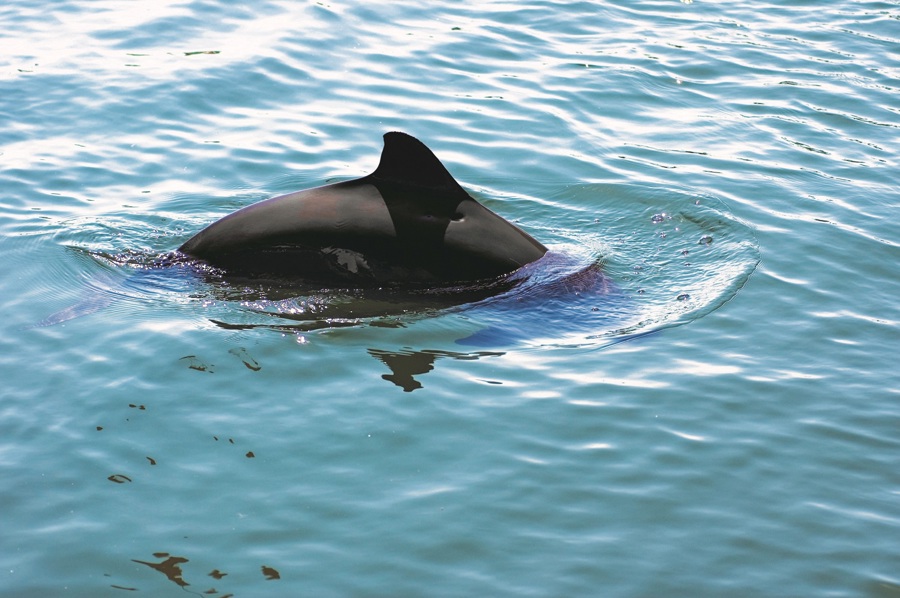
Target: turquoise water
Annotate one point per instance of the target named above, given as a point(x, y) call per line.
point(721, 418)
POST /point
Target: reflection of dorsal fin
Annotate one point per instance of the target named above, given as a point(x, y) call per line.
point(407, 161)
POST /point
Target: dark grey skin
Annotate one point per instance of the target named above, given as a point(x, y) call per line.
point(407, 222)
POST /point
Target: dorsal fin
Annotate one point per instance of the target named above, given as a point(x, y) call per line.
point(406, 160)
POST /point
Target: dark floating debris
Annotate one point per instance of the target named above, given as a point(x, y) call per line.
point(171, 567)
point(242, 354)
point(270, 573)
point(118, 478)
point(407, 364)
point(196, 364)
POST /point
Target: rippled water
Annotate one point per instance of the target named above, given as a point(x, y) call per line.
point(694, 394)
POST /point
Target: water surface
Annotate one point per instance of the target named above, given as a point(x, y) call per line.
point(716, 414)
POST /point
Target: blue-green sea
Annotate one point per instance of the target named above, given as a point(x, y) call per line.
point(717, 415)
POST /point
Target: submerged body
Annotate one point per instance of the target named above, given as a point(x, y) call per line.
point(408, 221)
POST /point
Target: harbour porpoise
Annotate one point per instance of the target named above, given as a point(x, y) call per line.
point(407, 222)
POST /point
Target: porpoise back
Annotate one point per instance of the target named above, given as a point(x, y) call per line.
point(407, 222)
